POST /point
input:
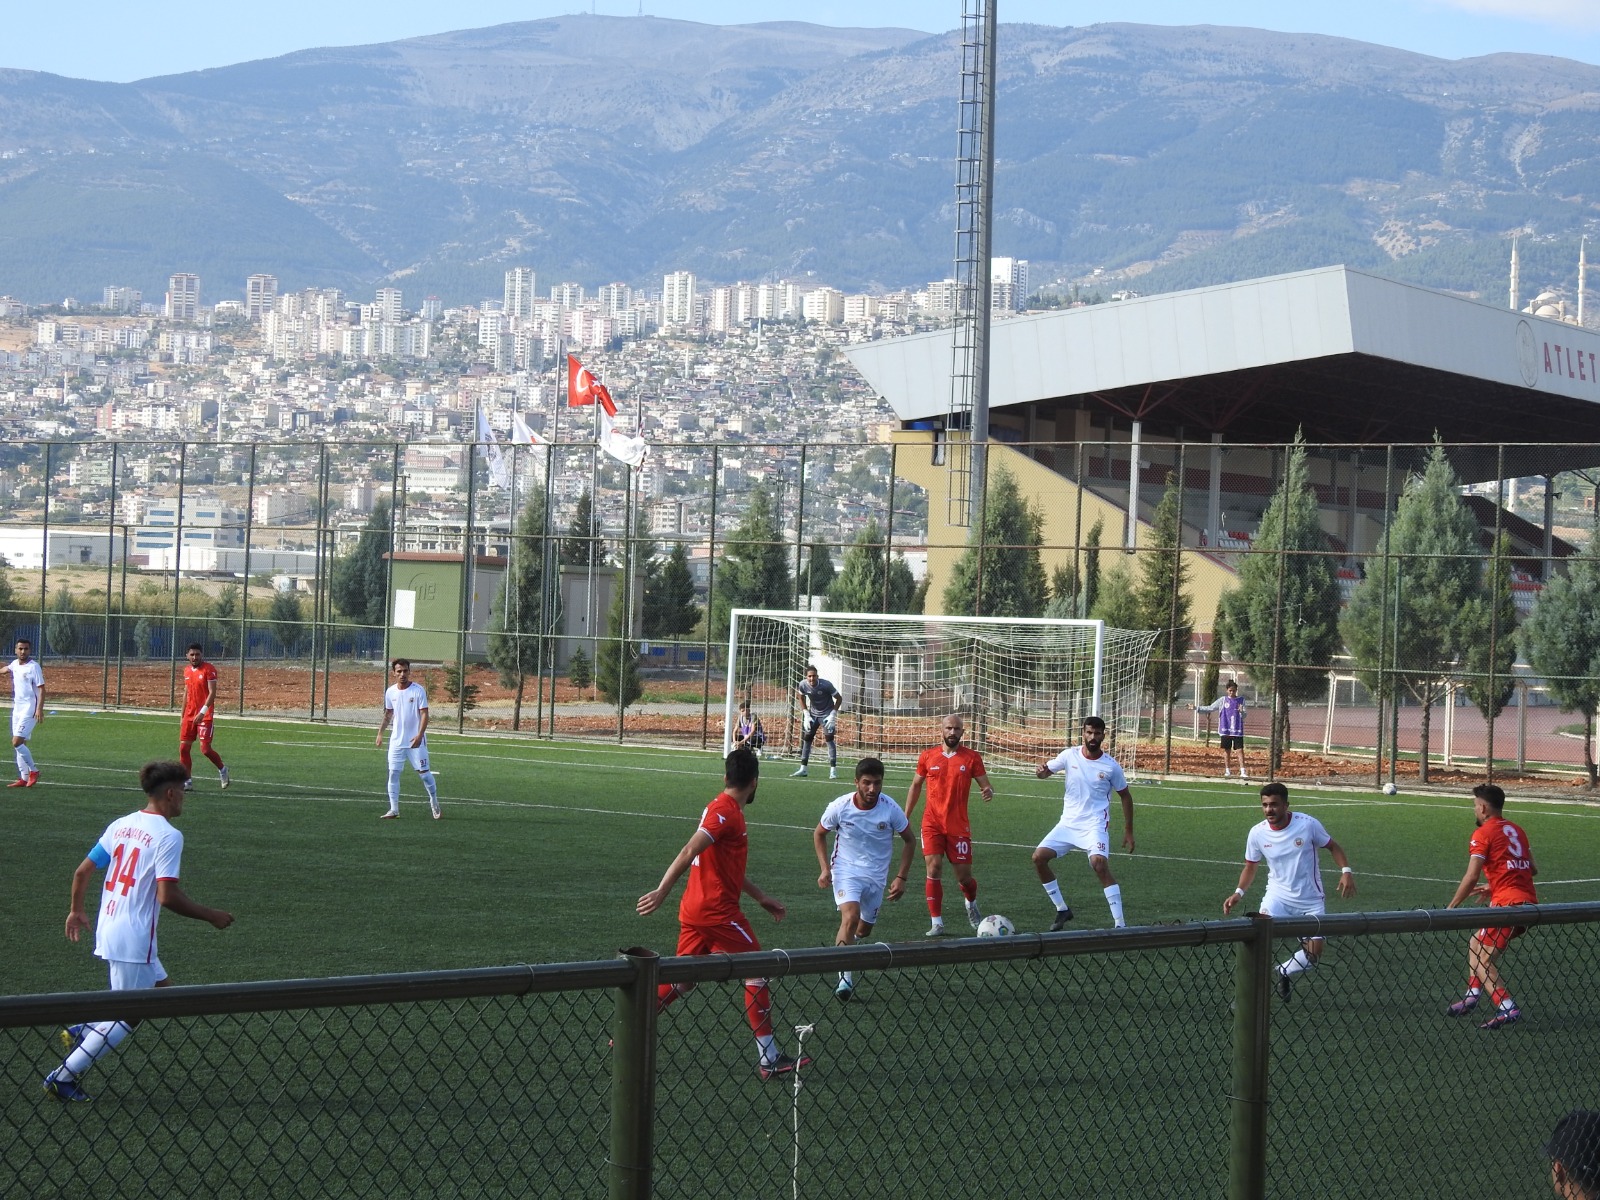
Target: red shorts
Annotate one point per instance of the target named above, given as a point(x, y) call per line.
point(197, 730)
point(956, 845)
point(730, 937)
point(1498, 937)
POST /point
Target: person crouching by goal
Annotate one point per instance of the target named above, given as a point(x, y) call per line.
point(821, 702)
point(747, 731)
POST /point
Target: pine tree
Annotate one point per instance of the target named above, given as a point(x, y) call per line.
point(818, 574)
point(360, 581)
point(1164, 604)
point(61, 624)
point(669, 607)
point(528, 607)
point(1002, 575)
point(754, 571)
point(1493, 616)
point(1404, 621)
point(583, 545)
point(616, 662)
point(1561, 638)
point(870, 580)
point(1285, 610)
point(287, 619)
point(579, 673)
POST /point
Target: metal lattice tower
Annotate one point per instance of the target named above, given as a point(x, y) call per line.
point(965, 458)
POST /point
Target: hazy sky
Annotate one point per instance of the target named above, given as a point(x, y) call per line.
point(158, 37)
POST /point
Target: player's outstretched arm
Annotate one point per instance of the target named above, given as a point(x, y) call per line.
point(174, 899)
point(652, 900)
point(1247, 876)
point(1469, 881)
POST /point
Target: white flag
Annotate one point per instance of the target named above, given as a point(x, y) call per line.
point(498, 473)
point(523, 436)
point(620, 446)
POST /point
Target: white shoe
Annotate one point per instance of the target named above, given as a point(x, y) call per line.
point(436, 813)
point(188, 785)
point(223, 771)
point(973, 914)
point(800, 774)
point(833, 772)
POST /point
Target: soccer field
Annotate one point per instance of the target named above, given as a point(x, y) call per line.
point(545, 846)
point(954, 1077)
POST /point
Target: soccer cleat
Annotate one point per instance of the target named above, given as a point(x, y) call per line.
point(973, 914)
point(800, 774)
point(69, 1037)
point(937, 929)
point(833, 772)
point(1506, 1016)
point(33, 779)
point(845, 990)
point(1462, 1007)
point(18, 783)
point(784, 1064)
point(1285, 984)
point(65, 1090)
point(437, 814)
point(1063, 915)
point(226, 780)
point(389, 816)
point(188, 785)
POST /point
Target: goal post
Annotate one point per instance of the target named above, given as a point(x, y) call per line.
point(1023, 684)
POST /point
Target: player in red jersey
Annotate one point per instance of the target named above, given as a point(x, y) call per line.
point(948, 771)
point(1499, 850)
point(199, 712)
point(709, 918)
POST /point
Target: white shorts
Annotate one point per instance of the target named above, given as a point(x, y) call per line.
point(1092, 837)
point(808, 724)
point(1288, 906)
point(868, 893)
point(418, 758)
point(129, 976)
point(22, 723)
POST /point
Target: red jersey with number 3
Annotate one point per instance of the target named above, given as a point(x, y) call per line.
point(1507, 861)
point(949, 784)
point(196, 684)
point(716, 877)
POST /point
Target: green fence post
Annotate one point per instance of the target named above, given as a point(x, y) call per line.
point(633, 1079)
point(1247, 1156)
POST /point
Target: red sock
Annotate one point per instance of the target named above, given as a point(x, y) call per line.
point(1474, 984)
point(969, 889)
point(216, 759)
point(1499, 997)
point(935, 893)
point(183, 757)
point(758, 1008)
point(666, 993)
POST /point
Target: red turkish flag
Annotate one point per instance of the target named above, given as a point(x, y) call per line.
point(580, 384)
point(603, 395)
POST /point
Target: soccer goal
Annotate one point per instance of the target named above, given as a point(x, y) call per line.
point(1023, 684)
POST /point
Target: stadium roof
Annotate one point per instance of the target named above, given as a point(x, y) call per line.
point(1351, 358)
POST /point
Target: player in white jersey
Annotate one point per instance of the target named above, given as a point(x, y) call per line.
point(864, 824)
point(406, 703)
point(1288, 843)
point(1091, 776)
point(27, 710)
point(140, 854)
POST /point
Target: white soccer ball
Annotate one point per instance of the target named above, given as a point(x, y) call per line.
point(1388, 789)
point(994, 925)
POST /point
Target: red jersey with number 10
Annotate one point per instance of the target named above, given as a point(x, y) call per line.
point(949, 783)
point(196, 683)
point(716, 877)
point(1507, 861)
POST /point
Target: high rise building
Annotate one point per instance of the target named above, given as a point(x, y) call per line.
point(519, 292)
point(1008, 284)
point(432, 308)
point(615, 298)
point(678, 298)
point(183, 297)
point(260, 294)
point(121, 299)
point(390, 306)
point(567, 295)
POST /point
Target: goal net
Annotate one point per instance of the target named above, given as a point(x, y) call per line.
point(1024, 685)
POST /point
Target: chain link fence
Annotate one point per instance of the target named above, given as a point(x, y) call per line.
point(1139, 1062)
point(1391, 640)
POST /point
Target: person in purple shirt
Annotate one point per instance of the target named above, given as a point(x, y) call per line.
point(1230, 726)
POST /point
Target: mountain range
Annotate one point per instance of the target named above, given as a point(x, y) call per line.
point(596, 148)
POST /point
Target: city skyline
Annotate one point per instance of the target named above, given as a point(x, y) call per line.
point(125, 44)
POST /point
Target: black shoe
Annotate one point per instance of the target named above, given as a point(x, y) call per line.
point(1284, 985)
point(1063, 915)
point(784, 1064)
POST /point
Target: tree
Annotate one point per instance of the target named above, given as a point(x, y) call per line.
point(871, 581)
point(360, 580)
point(1091, 565)
point(616, 662)
point(1212, 675)
point(1284, 615)
point(61, 625)
point(1063, 603)
point(818, 573)
point(1000, 574)
point(225, 620)
point(1164, 604)
point(754, 571)
point(8, 597)
point(1404, 621)
point(1561, 638)
point(1118, 602)
point(459, 688)
point(579, 673)
point(1493, 617)
point(288, 622)
point(528, 606)
point(669, 607)
point(583, 545)
point(144, 637)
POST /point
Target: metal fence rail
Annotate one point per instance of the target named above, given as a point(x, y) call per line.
point(1139, 1062)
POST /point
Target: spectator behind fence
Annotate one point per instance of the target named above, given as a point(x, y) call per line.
point(1574, 1150)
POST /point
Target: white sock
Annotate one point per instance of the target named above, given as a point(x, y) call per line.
point(25, 763)
point(1114, 899)
point(99, 1039)
point(1227, 774)
point(1053, 890)
point(433, 788)
point(394, 789)
point(847, 978)
point(1300, 961)
point(768, 1046)
point(1243, 774)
